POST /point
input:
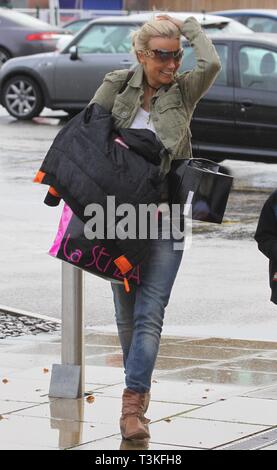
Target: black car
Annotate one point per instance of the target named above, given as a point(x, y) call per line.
point(235, 120)
point(237, 117)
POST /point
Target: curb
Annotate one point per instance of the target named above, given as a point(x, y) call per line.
point(19, 312)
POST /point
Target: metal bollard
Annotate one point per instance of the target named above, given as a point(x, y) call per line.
point(67, 380)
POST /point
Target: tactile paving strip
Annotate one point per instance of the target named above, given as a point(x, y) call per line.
point(255, 442)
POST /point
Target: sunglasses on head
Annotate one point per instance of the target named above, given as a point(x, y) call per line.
point(164, 55)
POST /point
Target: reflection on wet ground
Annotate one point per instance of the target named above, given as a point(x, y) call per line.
point(206, 392)
point(208, 359)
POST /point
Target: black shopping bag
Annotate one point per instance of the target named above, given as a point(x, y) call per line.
point(99, 257)
point(198, 184)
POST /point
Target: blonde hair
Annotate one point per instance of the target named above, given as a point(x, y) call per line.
point(153, 29)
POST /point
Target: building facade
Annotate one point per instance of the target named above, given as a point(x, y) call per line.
point(139, 5)
point(197, 5)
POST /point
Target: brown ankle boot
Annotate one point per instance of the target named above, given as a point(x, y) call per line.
point(131, 422)
point(146, 401)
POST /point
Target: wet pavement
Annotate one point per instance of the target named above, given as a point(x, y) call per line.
point(207, 393)
point(222, 285)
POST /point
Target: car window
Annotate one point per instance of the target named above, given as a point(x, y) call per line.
point(258, 68)
point(189, 62)
point(265, 25)
point(241, 18)
point(106, 38)
point(76, 26)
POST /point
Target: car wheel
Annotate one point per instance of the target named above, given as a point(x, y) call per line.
point(4, 56)
point(22, 97)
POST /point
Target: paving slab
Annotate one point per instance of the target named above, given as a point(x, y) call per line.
point(118, 444)
point(221, 375)
point(212, 353)
point(105, 410)
point(25, 391)
point(273, 447)
point(8, 406)
point(236, 343)
point(240, 410)
point(183, 392)
point(199, 433)
point(269, 393)
point(25, 431)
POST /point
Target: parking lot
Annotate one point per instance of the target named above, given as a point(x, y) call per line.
point(222, 286)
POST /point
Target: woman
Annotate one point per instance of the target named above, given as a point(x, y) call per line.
point(159, 99)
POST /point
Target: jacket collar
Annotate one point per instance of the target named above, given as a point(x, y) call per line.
point(137, 80)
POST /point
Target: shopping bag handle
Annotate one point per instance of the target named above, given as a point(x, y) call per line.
point(204, 164)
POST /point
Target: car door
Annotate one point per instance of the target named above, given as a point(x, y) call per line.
point(102, 47)
point(256, 101)
point(213, 120)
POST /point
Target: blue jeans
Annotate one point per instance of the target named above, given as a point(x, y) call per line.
point(140, 313)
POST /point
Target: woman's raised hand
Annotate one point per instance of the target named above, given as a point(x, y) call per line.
point(178, 23)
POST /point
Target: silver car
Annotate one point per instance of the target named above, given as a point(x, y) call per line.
point(22, 35)
point(68, 79)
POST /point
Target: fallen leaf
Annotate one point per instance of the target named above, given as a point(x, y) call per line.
point(1, 417)
point(167, 420)
point(5, 381)
point(204, 398)
point(90, 399)
point(154, 381)
point(45, 370)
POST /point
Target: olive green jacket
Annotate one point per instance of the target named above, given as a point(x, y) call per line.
point(171, 107)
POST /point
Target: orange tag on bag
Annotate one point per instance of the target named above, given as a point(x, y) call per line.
point(39, 177)
point(123, 264)
point(126, 285)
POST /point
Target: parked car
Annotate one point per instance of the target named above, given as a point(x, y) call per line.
point(236, 119)
point(22, 35)
point(260, 20)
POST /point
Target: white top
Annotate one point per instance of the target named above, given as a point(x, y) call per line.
point(142, 121)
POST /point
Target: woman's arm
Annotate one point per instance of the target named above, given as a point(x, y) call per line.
point(194, 84)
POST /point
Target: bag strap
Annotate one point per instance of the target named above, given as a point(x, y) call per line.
point(124, 86)
point(204, 164)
